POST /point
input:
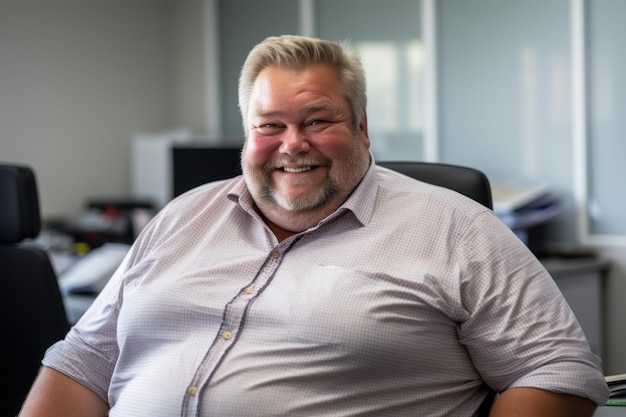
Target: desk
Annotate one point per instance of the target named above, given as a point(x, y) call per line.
point(610, 412)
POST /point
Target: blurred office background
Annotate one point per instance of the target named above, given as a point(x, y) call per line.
point(529, 91)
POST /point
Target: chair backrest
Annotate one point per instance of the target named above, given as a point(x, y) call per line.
point(32, 309)
point(465, 180)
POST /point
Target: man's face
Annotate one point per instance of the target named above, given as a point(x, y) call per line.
point(302, 152)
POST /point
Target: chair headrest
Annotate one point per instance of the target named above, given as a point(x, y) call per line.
point(19, 203)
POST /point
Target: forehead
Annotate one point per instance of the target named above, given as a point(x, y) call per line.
point(278, 86)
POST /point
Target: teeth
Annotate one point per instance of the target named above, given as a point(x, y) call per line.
point(297, 169)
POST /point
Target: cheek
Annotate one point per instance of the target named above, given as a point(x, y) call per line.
point(337, 146)
point(258, 149)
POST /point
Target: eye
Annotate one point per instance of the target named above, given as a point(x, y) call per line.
point(317, 125)
point(269, 129)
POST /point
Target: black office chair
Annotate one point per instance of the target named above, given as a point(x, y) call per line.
point(465, 180)
point(468, 181)
point(32, 310)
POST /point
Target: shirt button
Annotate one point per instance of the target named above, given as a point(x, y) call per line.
point(248, 290)
point(275, 255)
point(227, 335)
point(192, 390)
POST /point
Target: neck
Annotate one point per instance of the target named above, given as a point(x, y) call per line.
point(280, 233)
point(284, 223)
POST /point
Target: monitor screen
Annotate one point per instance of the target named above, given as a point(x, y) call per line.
point(196, 165)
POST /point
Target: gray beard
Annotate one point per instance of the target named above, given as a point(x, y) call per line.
point(310, 202)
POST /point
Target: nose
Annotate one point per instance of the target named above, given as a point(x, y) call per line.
point(294, 141)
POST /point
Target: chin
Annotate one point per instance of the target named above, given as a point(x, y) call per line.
point(316, 199)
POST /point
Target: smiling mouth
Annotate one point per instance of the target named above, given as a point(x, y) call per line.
point(299, 169)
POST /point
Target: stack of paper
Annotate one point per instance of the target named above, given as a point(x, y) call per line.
point(508, 197)
point(617, 389)
point(522, 206)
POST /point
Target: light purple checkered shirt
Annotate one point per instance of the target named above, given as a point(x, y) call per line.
point(401, 303)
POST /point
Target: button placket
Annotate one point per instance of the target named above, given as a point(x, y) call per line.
point(234, 313)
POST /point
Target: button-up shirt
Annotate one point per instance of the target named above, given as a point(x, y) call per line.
point(409, 300)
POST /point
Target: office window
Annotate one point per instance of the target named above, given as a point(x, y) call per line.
point(606, 126)
point(387, 37)
point(505, 92)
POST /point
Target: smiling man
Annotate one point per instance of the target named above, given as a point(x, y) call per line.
point(319, 284)
point(305, 151)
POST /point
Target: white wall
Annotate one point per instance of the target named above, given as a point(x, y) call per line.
point(78, 78)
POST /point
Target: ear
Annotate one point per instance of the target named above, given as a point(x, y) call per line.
point(363, 131)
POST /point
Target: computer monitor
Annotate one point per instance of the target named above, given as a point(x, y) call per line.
point(194, 165)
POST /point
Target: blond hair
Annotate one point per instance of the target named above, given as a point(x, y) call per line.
point(300, 52)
